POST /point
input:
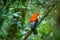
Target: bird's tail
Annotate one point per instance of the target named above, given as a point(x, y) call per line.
point(35, 31)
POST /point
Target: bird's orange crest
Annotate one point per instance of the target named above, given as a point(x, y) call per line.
point(34, 17)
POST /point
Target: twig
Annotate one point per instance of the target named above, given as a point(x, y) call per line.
point(46, 14)
point(28, 33)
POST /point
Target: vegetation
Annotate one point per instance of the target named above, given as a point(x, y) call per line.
point(15, 19)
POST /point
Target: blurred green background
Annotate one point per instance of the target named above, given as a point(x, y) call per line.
point(15, 16)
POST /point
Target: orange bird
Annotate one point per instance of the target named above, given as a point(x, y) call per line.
point(34, 22)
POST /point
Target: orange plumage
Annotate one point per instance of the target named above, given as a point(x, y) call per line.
point(34, 17)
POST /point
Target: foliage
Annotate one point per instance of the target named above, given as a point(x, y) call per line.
point(15, 16)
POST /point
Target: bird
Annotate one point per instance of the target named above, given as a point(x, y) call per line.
point(33, 22)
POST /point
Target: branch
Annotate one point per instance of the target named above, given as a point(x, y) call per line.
point(28, 33)
point(46, 14)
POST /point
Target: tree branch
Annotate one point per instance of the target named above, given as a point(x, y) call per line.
point(28, 33)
